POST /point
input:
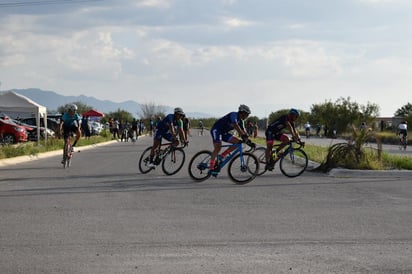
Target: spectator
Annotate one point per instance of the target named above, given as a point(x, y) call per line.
point(86, 127)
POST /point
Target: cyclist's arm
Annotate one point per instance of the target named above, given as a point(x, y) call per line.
point(180, 131)
point(60, 127)
point(293, 131)
point(241, 132)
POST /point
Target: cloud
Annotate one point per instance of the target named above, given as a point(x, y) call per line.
point(162, 4)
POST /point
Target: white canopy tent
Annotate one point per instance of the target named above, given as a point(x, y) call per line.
point(14, 102)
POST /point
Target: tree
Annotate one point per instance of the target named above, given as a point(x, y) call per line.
point(404, 111)
point(120, 115)
point(343, 113)
point(150, 110)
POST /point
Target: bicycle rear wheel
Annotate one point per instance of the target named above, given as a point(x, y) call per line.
point(293, 162)
point(144, 161)
point(199, 166)
point(173, 161)
point(242, 171)
point(402, 143)
point(260, 154)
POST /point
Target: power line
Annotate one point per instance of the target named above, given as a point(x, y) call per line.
point(42, 3)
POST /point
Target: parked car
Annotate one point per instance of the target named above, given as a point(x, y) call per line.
point(32, 131)
point(12, 133)
point(95, 128)
point(51, 123)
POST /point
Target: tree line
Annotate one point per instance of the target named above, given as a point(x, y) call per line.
point(340, 115)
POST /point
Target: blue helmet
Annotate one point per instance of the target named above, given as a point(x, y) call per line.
point(294, 111)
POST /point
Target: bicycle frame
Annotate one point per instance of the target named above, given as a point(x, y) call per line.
point(170, 157)
point(161, 153)
point(238, 149)
point(293, 160)
point(242, 165)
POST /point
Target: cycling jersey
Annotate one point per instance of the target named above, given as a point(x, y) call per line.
point(163, 130)
point(227, 122)
point(222, 127)
point(403, 126)
point(70, 123)
point(70, 120)
point(275, 129)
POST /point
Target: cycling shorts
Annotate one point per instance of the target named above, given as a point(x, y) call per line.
point(404, 132)
point(68, 130)
point(218, 136)
point(158, 135)
point(272, 136)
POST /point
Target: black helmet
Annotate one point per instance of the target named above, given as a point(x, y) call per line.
point(294, 111)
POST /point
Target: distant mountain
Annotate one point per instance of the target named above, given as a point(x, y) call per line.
point(52, 100)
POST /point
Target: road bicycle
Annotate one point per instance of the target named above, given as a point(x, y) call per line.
point(403, 142)
point(242, 168)
point(67, 152)
point(293, 161)
point(171, 157)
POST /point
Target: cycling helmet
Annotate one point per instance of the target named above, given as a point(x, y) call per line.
point(244, 108)
point(179, 111)
point(72, 107)
point(294, 111)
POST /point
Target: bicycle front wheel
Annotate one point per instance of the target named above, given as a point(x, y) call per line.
point(260, 154)
point(243, 169)
point(173, 161)
point(199, 166)
point(66, 158)
point(293, 163)
point(144, 161)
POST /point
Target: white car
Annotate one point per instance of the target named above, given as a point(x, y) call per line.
point(95, 128)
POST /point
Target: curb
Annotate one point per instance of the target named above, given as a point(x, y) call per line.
point(349, 173)
point(27, 158)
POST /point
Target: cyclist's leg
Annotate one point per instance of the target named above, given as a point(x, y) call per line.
point(157, 141)
point(284, 139)
point(217, 145)
point(270, 138)
point(229, 138)
point(66, 138)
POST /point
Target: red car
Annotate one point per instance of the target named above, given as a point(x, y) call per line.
point(12, 133)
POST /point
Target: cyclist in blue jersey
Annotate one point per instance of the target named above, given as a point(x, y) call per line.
point(167, 128)
point(70, 123)
point(275, 131)
point(220, 131)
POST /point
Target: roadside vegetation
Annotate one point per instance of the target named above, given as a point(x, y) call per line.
point(355, 153)
point(32, 148)
point(337, 119)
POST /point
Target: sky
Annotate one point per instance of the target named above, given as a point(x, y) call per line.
point(212, 55)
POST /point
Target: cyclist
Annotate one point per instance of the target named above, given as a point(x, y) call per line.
point(403, 130)
point(70, 122)
point(275, 132)
point(166, 129)
point(221, 132)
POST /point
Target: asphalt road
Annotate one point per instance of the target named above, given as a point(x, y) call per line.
point(102, 216)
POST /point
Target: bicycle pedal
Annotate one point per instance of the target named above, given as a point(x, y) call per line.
point(214, 173)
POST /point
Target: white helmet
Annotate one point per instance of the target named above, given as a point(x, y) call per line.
point(72, 107)
point(179, 111)
point(244, 108)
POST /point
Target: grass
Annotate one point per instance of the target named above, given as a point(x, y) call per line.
point(32, 148)
point(385, 161)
